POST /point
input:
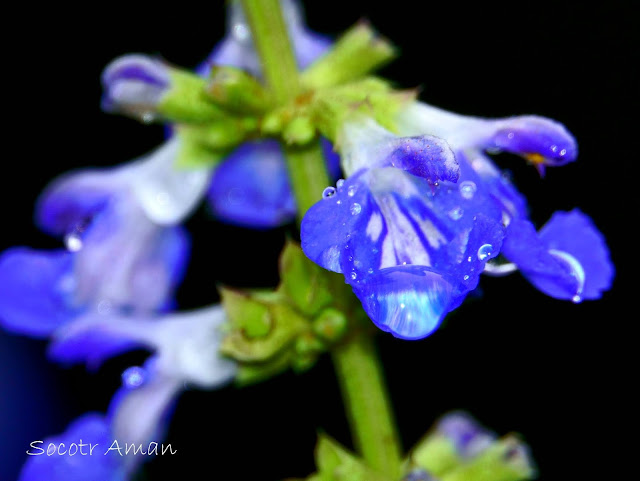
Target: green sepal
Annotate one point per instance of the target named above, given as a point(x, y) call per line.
point(372, 97)
point(251, 373)
point(192, 153)
point(357, 53)
point(505, 460)
point(186, 100)
point(221, 135)
point(236, 91)
point(335, 463)
point(299, 131)
point(435, 453)
point(249, 315)
point(330, 325)
point(306, 285)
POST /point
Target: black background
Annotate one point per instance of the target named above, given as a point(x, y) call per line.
point(519, 361)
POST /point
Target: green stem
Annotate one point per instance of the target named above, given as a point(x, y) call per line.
point(308, 174)
point(357, 365)
point(271, 40)
point(368, 406)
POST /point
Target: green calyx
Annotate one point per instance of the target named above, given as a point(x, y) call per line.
point(270, 331)
point(505, 459)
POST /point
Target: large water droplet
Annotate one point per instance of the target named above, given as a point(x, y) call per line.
point(356, 209)
point(467, 189)
point(73, 242)
point(351, 191)
point(456, 213)
point(133, 377)
point(328, 192)
point(485, 251)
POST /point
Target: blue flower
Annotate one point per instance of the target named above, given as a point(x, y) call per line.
point(419, 218)
point(185, 344)
point(251, 187)
point(124, 252)
point(103, 447)
point(237, 50)
point(185, 351)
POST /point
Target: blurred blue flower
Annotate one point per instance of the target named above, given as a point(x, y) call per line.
point(421, 215)
point(124, 252)
point(185, 350)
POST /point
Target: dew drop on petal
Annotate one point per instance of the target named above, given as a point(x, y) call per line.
point(328, 192)
point(485, 251)
point(340, 183)
point(466, 278)
point(133, 377)
point(467, 189)
point(240, 32)
point(356, 209)
point(456, 213)
point(576, 299)
point(354, 275)
point(73, 242)
point(351, 191)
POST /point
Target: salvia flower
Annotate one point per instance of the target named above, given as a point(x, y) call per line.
point(185, 344)
point(419, 217)
point(124, 250)
point(185, 352)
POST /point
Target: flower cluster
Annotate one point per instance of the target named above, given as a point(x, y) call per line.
point(421, 214)
point(111, 287)
point(425, 211)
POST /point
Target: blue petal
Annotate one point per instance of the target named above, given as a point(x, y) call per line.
point(480, 169)
point(237, 50)
point(424, 156)
point(251, 187)
point(386, 229)
point(568, 259)
point(408, 301)
point(36, 290)
point(530, 134)
point(134, 84)
point(89, 429)
point(71, 201)
point(464, 432)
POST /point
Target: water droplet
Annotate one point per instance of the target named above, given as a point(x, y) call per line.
point(133, 377)
point(466, 278)
point(240, 32)
point(510, 135)
point(340, 183)
point(351, 191)
point(328, 192)
point(469, 259)
point(456, 213)
point(576, 299)
point(350, 258)
point(563, 152)
point(73, 242)
point(148, 117)
point(485, 251)
point(338, 202)
point(467, 189)
point(356, 209)
point(353, 275)
point(370, 270)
